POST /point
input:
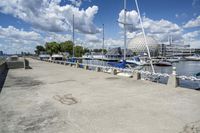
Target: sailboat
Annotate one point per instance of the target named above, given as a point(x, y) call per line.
point(135, 60)
point(193, 58)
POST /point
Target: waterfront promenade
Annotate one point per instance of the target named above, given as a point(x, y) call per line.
point(53, 98)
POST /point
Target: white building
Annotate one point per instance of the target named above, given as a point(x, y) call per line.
point(138, 46)
point(176, 50)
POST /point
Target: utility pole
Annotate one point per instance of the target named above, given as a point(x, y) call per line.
point(73, 36)
point(124, 29)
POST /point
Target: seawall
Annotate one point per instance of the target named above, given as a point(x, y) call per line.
point(54, 98)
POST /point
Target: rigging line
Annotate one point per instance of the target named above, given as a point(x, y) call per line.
point(144, 35)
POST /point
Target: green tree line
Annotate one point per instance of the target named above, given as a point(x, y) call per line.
point(55, 48)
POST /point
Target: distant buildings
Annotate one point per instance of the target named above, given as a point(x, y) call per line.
point(1, 53)
point(138, 45)
point(118, 53)
point(176, 50)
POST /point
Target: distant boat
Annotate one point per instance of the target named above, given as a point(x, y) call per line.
point(57, 57)
point(193, 58)
point(163, 63)
point(173, 59)
point(118, 64)
point(198, 74)
point(44, 56)
point(136, 61)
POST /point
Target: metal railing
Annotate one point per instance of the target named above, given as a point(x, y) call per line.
point(146, 75)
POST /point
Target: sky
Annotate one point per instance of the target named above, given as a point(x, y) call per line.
point(24, 24)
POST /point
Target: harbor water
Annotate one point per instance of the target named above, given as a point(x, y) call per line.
point(187, 68)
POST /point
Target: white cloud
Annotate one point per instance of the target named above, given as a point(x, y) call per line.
point(50, 37)
point(48, 15)
point(13, 33)
point(93, 38)
point(161, 29)
point(181, 15)
point(191, 35)
point(16, 40)
point(193, 23)
point(132, 20)
point(76, 3)
point(111, 43)
point(192, 38)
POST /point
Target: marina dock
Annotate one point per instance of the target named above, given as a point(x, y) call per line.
point(55, 98)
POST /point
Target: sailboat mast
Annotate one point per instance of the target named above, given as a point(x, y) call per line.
point(144, 35)
point(103, 41)
point(73, 36)
point(124, 29)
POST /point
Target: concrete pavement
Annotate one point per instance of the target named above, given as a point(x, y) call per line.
point(53, 98)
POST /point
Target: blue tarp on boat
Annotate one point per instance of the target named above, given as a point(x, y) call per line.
point(118, 64)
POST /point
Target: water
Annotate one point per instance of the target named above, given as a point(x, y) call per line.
point(187, 68)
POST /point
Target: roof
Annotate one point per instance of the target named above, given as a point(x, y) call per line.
point(118, 51)
point(57, 56)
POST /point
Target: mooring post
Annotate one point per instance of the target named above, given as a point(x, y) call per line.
point(114, 71)
point(136, 75)
point(86, 67)
point(173, 81)
point(98, 69)
point(70, 64)
point(77, 64)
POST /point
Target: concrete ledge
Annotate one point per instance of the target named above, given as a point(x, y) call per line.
point(15, 64)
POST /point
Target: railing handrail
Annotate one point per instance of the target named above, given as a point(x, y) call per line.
point(125, 70)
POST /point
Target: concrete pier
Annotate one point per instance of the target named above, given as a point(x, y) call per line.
point(53, 98)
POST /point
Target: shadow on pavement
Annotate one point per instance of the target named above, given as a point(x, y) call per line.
point(3, 76)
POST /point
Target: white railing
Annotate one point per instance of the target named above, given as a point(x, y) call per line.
point(127, 70)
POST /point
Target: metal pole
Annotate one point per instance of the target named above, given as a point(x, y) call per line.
point(144, 35)
point(103, 43)
point(73, 36)
point(124, 29)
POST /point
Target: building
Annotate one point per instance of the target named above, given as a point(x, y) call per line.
point(118, 53)
point(138, 45)
point(1, 53)
point(176, 50)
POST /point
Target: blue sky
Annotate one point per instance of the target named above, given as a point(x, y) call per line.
point(27, 23)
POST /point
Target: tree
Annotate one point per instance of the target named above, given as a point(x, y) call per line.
point(78, 51)
point(100, 50)
point(67, 47)
point(52, 47)
point(86, 50)
point(39, 49)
